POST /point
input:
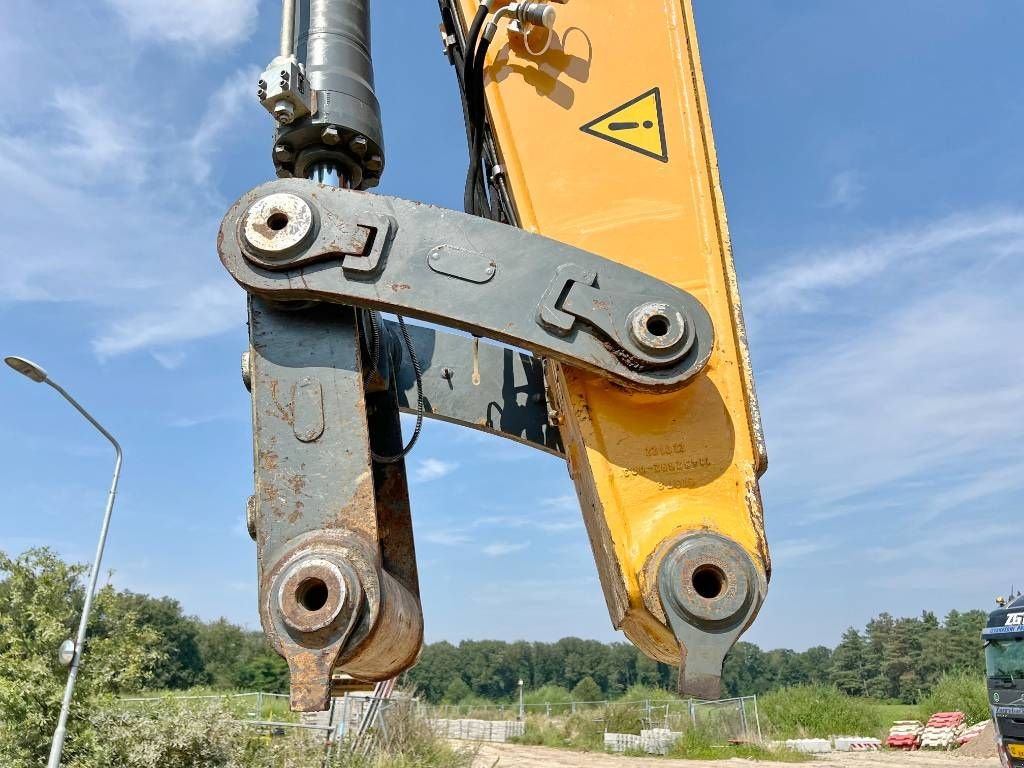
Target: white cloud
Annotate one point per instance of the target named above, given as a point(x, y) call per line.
point(206, 311)
point(98, 142)
point(804, 280)
point(845, 190)
point(432, 469)
point(130, 222)
point(893, 397)
point(502, 548)
point(231, 105)
point(446, 538)
point(792, 549)
point(209, 24)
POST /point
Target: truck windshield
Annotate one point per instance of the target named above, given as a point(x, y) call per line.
point(1005, 658)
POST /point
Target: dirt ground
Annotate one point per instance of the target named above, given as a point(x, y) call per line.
point(515, 756)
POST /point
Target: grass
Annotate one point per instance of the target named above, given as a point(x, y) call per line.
point(962, 692)
point(696, 744)
point(819, 711)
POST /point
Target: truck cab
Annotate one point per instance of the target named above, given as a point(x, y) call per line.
point(1004, 670)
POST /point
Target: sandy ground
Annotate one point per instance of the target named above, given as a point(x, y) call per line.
point(515, 756)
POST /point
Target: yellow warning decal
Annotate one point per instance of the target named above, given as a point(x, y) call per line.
point(635, 125)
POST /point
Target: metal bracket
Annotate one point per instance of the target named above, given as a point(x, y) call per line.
point(630, 327)
point(710, 591)
point(477, 385)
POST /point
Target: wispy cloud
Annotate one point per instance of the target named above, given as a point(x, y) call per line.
point(502, 548)
point(804, 281)
point(792, 549)
point(207, 25)
point(138, 218)
point(447, 538)
point(432, 469)
point(845, 190)
point(890, 395)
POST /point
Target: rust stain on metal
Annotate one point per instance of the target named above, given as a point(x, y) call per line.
point(286, 414)
point(360, 513)
point(268, 460)
point(396, 287)
point(296, 514)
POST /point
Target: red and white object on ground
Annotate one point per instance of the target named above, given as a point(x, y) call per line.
point(857, 744)
point(943, 730)
point(905, 734)
point(973, 732)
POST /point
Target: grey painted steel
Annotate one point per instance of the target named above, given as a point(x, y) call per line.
point(60, 733)
point(706, 626)
point(333, 45)
point(316, 499)
point(396, 278)
point(508, 399)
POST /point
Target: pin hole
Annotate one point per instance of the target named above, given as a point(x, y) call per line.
point(312, 594)
point(657, 325)
point(708, 581)
point(277, 221)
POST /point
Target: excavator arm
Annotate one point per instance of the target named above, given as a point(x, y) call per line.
point(594, 248)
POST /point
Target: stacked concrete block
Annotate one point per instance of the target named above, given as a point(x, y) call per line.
point(905, 734)
point(621, 742)
point(943, 730)
point(810, 746)
point(857, 744)
point(972, 733)
point(658, 741)
point(478, 730)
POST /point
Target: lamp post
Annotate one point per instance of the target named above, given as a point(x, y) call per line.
point(35, 373)
point(520, 698)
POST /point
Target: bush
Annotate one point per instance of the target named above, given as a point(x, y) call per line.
point(817, 711)
point(958, 692)
point(167, 735)
point(584, 732)
point(547, 694)
point(587, 690)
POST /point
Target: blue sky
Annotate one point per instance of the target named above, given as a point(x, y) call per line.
point(871, 158)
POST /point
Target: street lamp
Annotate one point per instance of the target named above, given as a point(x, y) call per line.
point(520, 698)
point(37, 374)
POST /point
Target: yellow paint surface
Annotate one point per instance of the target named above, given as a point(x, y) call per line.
point(646, 467)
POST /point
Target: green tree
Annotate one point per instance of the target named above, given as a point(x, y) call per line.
point(848, 664)
point(587, 690)
point(40, 601)
point(457, 691)
point(181, 664)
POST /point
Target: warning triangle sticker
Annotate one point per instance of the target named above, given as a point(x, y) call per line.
point(635, 125)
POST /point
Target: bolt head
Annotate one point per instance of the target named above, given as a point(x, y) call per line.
point(359, 145)
point(374, 163)
point(250, 517)
point(330, 135)
point(284, 112)
point(283, 153)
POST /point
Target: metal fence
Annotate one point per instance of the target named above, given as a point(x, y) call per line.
point(735, 719)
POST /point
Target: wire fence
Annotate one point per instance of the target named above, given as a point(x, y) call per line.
point(359, 721)
point(723, 720)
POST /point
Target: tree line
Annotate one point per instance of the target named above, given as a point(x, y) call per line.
point(891, 658)
point(895, 659)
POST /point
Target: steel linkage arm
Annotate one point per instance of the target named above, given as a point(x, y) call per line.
point(293, 240)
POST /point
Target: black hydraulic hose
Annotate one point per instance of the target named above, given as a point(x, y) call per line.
point(470, 47)
point(477, 115)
